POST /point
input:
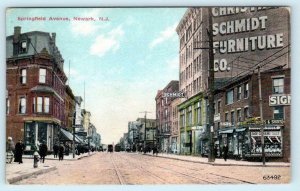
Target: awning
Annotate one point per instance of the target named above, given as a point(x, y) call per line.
point(65, 135)
point(226, 131)
point(78, 140)
point(240, 129)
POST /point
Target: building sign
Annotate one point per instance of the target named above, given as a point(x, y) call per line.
point(174, 94)
point(240, 33)
point(274, 121)
point(198, 128)
point(225, 124)
point(282, 99)
point(272, 140)
point(266, 133)
point(217, 117)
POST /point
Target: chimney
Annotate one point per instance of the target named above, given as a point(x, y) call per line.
point(17, 33)
point(53, 37)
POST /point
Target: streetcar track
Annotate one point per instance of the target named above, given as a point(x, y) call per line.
point(120, 177)
point(187, 175)
point(198, 172)
point(227, 177)
point(148, 172)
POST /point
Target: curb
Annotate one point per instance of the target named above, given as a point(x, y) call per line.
point(216, 164)
point(24, 176)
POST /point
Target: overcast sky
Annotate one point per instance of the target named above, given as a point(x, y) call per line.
point(123, 61)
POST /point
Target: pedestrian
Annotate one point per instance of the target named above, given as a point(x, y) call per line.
point(216, 151)
point(43, 151)
point(55, 150)
point(225, 151)
point(10, 149)
point(19, 149)
point(61, 152)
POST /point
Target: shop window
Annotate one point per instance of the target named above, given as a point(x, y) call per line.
point(246, 90)
point(229, 97)
point(22, 105)
point(278, 112)
point(278, 85)
point(42, 75)
point(23, 76)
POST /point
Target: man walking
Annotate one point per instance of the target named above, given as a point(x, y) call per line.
point(43, 151)
point(225, 151)
point(19, 149)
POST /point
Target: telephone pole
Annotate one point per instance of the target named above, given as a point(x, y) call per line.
point(262, 136)
point(211, 80)
point(145, 118)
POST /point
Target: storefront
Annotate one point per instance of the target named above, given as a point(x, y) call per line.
point(272, 140)
point(36, 133)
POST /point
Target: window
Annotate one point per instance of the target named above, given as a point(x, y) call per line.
point(189, 115)
point(46, 104)
point(23, 48)
point(219, 107)
point(42, 76)
point(239, 92)
point(7, 106)
point(182, 118)
point(33, 106)
point(278, 85)
point(39, 104)
point(239, 115)
point(229, 97)
point(22, 105)
point(226, 117)
point(23, 76)
point(199, 113)
point(246, 113)
point(278, 112)
point(246, 90)
point(232, 118)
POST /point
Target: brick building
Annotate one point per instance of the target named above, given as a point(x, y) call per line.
point(69, 108)
point(164, 115)
point(174, 137)
point(35, 88)
point(238, 113)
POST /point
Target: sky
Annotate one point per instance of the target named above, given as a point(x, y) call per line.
point(123, 58)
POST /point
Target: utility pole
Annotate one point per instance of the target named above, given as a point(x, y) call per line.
point(73, 125)
point(263, 157)
point(211, 79)
point(145, 118)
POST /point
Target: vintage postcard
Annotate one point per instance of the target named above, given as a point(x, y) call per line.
point(148, 96)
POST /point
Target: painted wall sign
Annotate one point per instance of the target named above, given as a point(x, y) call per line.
point(282, 99)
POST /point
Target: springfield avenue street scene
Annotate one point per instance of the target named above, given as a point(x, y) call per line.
point(142, 96)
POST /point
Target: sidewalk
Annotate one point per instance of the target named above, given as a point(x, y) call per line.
point(219, 161)
point(16, 172)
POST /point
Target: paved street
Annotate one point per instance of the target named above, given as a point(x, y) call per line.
point(133, 168)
